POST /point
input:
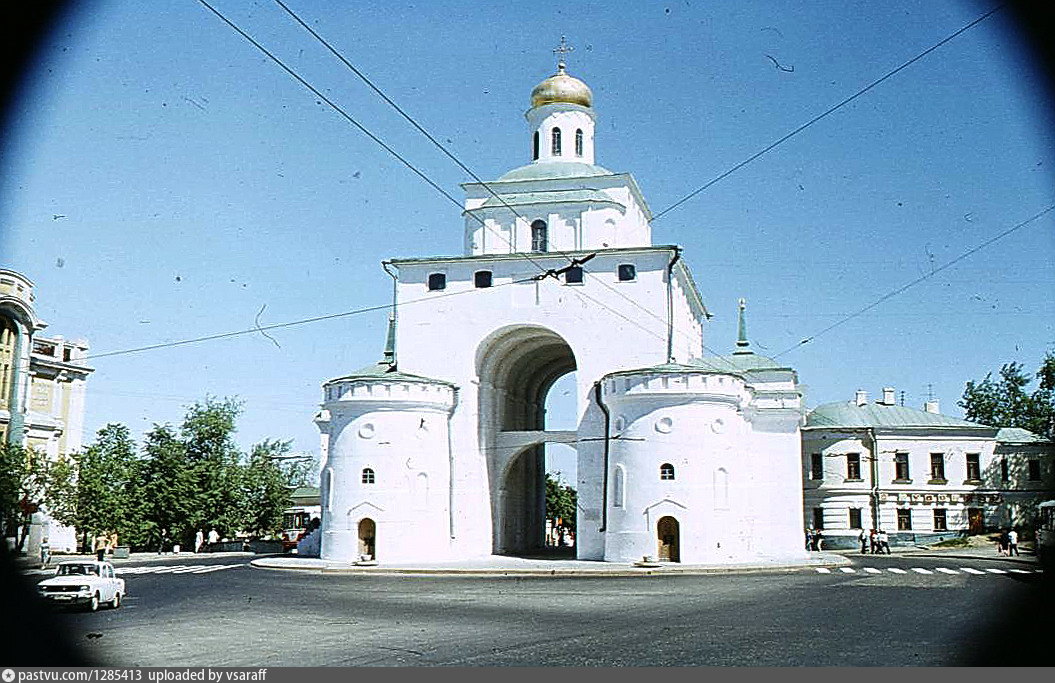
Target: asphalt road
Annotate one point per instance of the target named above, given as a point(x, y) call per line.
point(242, 616)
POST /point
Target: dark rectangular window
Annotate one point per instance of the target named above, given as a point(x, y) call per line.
point(1003, 470)
point(939, 520)
point(816, 466)
point(1034, 469)
point(974, 467)
point(818, 518)
point(904, 519)
point(573, 275)
point(482, 278)
point(855, 518)
point(853, 465)
point(937, 466)
point(437, 281)
point(627, 272)
point(901, 466)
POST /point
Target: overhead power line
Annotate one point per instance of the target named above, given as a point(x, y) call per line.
point(825, 113)
point(913, 283)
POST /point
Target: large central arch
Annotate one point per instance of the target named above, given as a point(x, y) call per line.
point(517, 366)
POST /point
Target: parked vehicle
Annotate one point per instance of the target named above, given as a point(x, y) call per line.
point(86, 584)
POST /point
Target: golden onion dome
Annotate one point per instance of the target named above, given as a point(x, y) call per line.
point(562, 88)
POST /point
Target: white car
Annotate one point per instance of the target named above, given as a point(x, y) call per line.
point(83, 583)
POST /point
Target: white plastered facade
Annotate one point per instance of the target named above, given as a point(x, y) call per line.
point(485, 335)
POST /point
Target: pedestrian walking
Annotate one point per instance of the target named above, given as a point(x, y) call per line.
point(817, 539)
point(1003, 543)
point(1012, 542)
point(873, 541)
point(45, 553)
point(100, 548)
point(863, 538)
point(884, 542)
point(809, 539)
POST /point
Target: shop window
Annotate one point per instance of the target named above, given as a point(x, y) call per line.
point(940, 523)
point(855, 518)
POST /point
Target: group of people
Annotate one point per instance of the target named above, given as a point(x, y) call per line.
point(813, 539)
point(1008, 543)
point(875, 542)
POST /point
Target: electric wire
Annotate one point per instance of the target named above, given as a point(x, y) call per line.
point(922, 278)
point(487, 186)
point(827, 112)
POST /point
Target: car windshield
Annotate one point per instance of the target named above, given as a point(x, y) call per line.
point(77, 569)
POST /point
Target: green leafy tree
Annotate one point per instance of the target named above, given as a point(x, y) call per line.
point(23, 485)
point(266, 488)
point(60, 490)
point(168, 494)
point(207, 435)
point(1006, 401)
point(106, 486)
point(560, 503)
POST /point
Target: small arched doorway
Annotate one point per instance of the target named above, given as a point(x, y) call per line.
point(367, 538)
point(667, 532)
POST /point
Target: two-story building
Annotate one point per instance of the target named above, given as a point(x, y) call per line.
point(920, 475)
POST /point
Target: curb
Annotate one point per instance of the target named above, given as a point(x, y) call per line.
point(556, 572)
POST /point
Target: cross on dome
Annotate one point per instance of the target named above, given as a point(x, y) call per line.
point(560, 51)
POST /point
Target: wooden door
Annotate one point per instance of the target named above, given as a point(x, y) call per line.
point(667, 531)
point(975, 523)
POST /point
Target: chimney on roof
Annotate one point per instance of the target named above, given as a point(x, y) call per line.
point(888, 396)
point(931, 406)
point(861, 398)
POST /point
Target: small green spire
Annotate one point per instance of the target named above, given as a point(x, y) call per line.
point(741, 339)
point(390, 342)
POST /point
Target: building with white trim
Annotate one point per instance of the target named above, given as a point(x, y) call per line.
point(436, 452)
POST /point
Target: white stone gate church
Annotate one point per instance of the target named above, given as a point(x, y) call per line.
point(437, 452)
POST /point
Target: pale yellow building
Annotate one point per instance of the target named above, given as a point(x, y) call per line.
point(42, 385)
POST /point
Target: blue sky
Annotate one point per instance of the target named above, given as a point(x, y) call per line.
point(164, 180)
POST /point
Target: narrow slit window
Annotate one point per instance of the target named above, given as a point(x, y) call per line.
point(534, 147)
point(555, 144)
point(578, 142)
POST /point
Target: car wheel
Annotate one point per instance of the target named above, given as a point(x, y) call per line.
point(93, 606)
point(116, 601)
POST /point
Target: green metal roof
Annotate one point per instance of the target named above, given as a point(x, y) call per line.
point(385, 370)
point(1018, 435)
point(551, 197)
point(849, 414)
point(676, 368)
point(743, 362)
point(546, 170)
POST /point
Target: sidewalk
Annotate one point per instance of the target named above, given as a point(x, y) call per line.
point(966, 553)
point(27, 562)
point(502, 565)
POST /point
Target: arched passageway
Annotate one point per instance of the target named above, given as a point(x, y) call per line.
point(367, 538)
point(517, 368)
